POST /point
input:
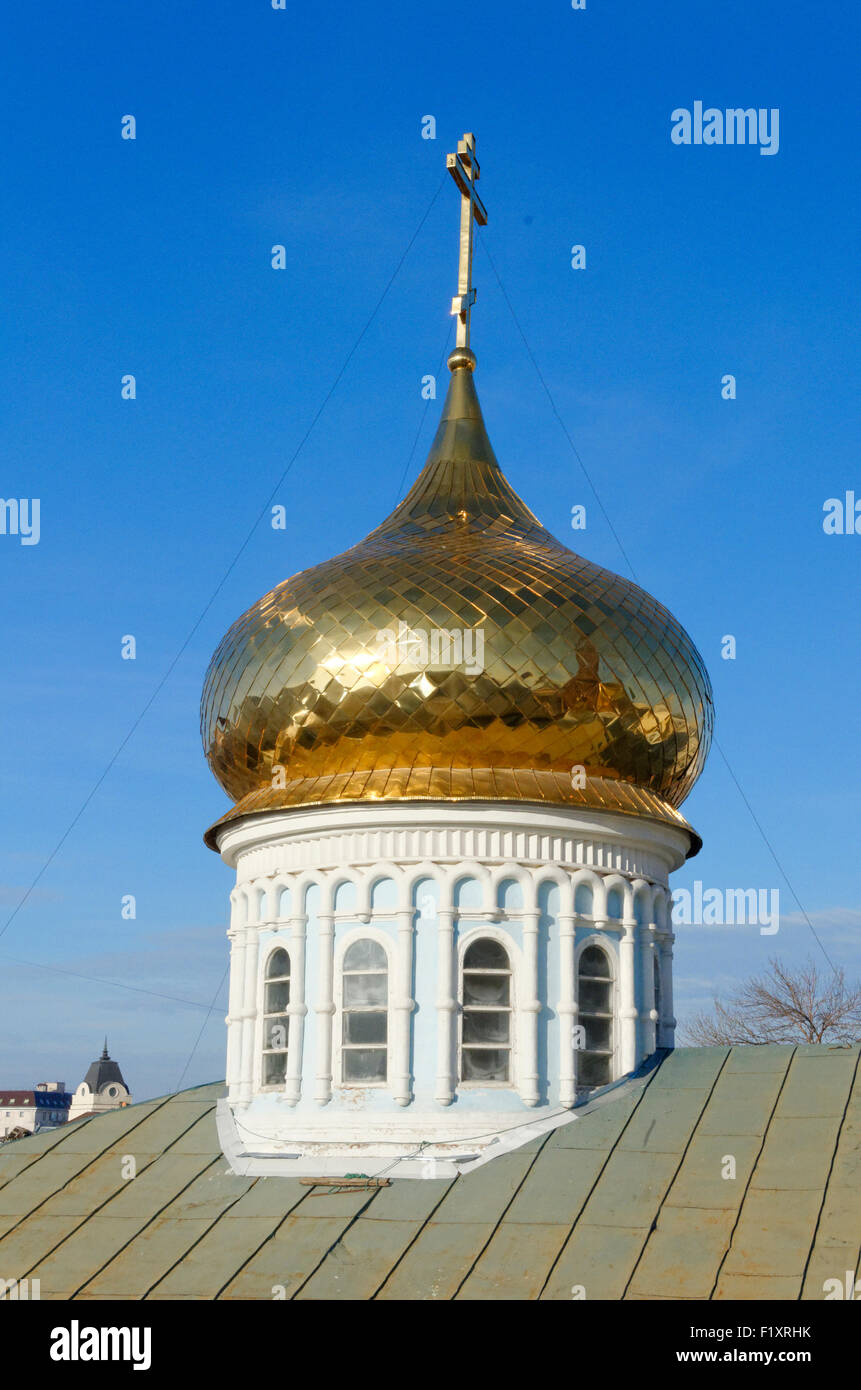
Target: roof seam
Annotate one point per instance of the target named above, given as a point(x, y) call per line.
point(303, 1196)
point(100, 1154)
point(828, 1178)
point(656, 1218)
point(108, 1200)
point(408, 1247)
point(116, 1254)
point(335, 1242)
point(753, 1169)
point(503, 1214)
point(649, 1079)
point(167, 1148)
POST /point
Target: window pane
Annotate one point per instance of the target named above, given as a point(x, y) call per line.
point(277, 997)
point(480, 1065)
point(364, 989)
point(594, 962)
point(594, 997)
point(365, 955)
point(597, 1033)
point(274, 1068)
point(485, 1028)
point(594, 1071)
point(277, 964)
point(365, 1028)
point(275, 1034)
point(365, 1064)
point(485, 989)
point(486, 954)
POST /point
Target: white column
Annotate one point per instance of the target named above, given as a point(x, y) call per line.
point(529, 1009)
point(236, 936)
point(667, 1023)
point(325, 1006)
point(446, 1004)
point(567, 1010)
point(649, 1013)
point(297, 1009)
point(627, 997)
point(249, 1015)
point(403, 1005)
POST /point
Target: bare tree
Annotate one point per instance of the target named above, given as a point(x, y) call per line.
point(801, 1004)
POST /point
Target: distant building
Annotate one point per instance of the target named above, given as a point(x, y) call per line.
point(46, 1106)
point(103, 1088)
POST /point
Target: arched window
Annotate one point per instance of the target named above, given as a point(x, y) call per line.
point(276, 997)
point(595, 1000)
point(486, 1014)
point(365, 1026)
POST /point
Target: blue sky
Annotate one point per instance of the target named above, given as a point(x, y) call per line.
point(303, 127)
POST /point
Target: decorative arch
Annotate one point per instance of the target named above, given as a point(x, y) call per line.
point(554, 877)
point(642, 898)
point(313, 893)
point(345, 894)
point(469, 891)
point(282, 897)
point(384, 894)
point(425, 894)
point(618, 889)
point(583, 879)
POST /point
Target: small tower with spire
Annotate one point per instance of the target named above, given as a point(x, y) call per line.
point(456, 755)
point(103, 1088)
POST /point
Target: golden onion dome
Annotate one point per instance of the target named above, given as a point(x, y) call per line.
point(458, 652)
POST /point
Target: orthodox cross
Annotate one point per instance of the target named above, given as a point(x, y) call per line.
point(464, 169)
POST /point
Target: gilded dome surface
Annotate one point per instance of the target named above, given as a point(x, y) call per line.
point(458, 651)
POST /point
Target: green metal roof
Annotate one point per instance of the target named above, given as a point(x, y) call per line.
point(627, 1200)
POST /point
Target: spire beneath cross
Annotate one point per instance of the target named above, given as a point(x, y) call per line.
point(464, 169)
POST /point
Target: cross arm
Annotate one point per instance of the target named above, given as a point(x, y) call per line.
point(454, 164)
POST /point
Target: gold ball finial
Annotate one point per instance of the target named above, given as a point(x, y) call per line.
point(461, 357)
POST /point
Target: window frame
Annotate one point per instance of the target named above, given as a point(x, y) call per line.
point(339, 1047)
point(481, 933)
point(262, 1051)
point(611, 1053)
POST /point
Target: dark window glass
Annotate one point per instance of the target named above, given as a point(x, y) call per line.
point(365, 1064)
point(277, 996)
point(598, 1037)
point(594, 1070)
point(595, 1002)
point(486, 989)
point(485, 1064)
point(481, 1027)
point(278, 964)
point(594, 961)
point(486, 954)
point(365, 1027)
point(486, 1012)
point(595, 996)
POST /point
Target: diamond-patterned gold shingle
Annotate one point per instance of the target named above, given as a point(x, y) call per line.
point(580, 667)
